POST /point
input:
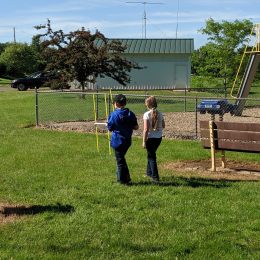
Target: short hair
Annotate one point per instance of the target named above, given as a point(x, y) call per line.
point(120, 99)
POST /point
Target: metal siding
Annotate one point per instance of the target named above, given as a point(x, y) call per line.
point(124, 42)
point(167, 46)
point(135, 44)
point(142, 48)
point(173, 47)
point(162, 47)
point(183, 46)
point(152, 47)
point(148, 46)
point(156, 45)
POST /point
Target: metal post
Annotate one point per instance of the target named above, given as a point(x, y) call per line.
point(196, 116)
point(223, 157)
point(185, 105)
point(97, 103)
point(36, 107)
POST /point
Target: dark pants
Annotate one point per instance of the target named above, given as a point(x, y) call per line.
point(122, 173)
point(152, 145)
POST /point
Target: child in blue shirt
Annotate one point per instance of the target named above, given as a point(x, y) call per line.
point(121, 123)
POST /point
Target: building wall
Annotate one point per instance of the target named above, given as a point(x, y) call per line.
point(161, 70)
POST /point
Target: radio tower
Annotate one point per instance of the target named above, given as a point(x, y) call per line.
point(144, 16)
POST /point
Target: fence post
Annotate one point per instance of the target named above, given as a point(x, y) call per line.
point(36, 107)
point(185, 105)
point(97, 102)
point(196, 117)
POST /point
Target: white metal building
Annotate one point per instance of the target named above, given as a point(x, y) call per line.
point(166, 62)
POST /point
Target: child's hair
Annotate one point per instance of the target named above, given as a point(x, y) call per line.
point(151, 103)
point(120, 99)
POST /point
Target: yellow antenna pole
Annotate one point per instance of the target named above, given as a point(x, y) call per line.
point(108, 135)
point(95, 118)
point(111, 97)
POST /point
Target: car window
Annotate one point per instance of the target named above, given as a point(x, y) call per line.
point(35, 75)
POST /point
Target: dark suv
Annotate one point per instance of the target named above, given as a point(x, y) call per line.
point(34, 80)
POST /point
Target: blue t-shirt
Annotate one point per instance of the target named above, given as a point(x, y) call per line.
point(121, 122)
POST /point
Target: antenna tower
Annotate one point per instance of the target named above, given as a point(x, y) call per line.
point(144, 16)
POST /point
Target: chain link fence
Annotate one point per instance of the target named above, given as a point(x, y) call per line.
point(78, 111)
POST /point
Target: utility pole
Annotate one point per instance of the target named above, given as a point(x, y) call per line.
point(14, 36)
point(144, 15)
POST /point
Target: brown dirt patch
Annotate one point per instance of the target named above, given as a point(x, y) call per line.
point(244, 171)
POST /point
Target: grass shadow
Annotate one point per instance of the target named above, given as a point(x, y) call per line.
point(35, 209)
point(190, 182)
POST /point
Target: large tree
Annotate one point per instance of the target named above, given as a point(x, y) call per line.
point(19, 59)
point(84, 56)
point(221, 55)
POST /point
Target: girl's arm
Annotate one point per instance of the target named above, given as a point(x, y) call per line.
point(145, 132)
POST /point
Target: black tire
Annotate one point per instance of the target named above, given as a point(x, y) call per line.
point(22, 87)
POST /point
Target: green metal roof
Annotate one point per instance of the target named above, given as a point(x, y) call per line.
point(184, 46)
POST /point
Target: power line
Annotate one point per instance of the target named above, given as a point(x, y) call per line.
point(144, 16)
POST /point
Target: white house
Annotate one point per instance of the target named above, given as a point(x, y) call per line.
point(166, 62)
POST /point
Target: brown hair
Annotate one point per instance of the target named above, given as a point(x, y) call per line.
point(151, 103)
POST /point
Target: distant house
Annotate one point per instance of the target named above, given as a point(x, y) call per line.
point(166, 62)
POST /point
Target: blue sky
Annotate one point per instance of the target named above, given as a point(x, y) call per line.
point(118, 19)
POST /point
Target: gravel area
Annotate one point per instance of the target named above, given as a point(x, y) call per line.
point(178, 124)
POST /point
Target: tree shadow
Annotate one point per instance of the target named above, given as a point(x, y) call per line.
point(35, 209)
point(190, 182)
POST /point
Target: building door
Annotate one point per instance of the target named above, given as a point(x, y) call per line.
point(181, 76)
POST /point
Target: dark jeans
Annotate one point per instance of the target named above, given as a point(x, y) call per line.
point(152, 145)
point(122, 173)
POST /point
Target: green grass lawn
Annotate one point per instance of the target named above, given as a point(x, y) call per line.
point(84, 214)
point(4, 81)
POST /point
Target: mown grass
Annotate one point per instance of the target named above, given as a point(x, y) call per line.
point(4, 81)
point(86, 215)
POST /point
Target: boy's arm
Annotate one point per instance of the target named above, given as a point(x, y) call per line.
point(135, 124)
point(110, 124)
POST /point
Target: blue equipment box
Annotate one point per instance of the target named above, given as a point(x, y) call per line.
point(215, 106)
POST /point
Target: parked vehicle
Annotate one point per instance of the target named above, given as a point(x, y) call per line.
point(35, 80)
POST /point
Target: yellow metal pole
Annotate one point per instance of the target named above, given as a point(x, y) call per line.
point(108, 135)
point(95, 118)
point(111, 98)
point(240, 65)
point(212, 146)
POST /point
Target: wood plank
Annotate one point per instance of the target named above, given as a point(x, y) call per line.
point(232, 135)
point(204, 124)
point(254, 127)
point(237, 146)
point(237, 135)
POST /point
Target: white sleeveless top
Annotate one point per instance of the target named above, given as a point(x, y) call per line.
point(154, 133)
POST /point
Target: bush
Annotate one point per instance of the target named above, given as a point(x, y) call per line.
point(56, 84)
point(2, 69)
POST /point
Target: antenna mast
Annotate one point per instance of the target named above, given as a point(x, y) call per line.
point(177, 18)
point(144, 16)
